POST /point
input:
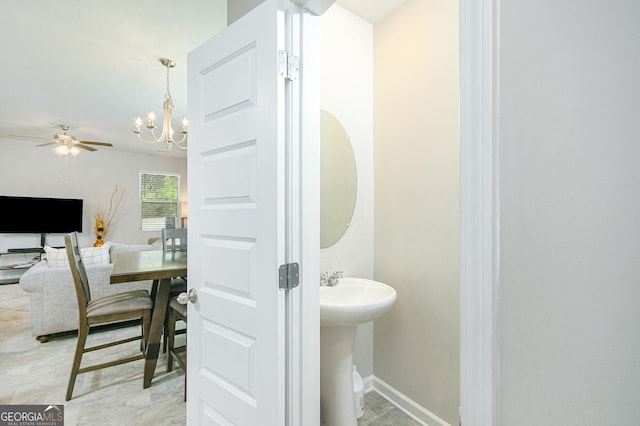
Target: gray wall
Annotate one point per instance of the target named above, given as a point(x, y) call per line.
point(416, 169)
point(568, 116)
point(31, 171)
point(238, 8)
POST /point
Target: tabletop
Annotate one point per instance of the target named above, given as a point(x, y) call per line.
point(148, 265)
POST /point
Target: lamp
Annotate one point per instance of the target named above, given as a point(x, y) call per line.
point(167, 107)
point(183, 215)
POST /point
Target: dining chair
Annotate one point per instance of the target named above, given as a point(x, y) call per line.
point(177, 312)
point(174, 239)
point(125, 306)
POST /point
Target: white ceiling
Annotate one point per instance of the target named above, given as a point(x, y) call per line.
point(371, 10)
point(93, 64)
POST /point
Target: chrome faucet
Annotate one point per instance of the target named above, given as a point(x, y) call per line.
point(330, 280)
point(334, 279)
point(323, 278)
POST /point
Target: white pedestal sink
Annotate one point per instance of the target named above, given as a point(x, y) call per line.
point(342, 307)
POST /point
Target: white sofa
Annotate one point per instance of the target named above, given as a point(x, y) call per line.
point(54, 304)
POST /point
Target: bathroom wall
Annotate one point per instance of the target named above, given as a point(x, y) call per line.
point(569, 206)
point(416, 345)
point(346, 91)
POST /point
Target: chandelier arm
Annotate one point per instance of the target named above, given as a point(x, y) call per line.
point(155, 139)
point(146, 141)
point(181, 141)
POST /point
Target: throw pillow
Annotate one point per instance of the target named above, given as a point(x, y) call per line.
point(95, 255)
point(57, 258)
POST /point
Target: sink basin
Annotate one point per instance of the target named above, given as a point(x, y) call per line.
point(354, 301)
point(343, 307)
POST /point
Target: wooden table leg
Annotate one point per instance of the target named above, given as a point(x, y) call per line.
point(157, 326)
point(154, 290)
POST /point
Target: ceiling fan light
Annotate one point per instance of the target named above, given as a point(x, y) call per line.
point(61, 150)
point(74, 151)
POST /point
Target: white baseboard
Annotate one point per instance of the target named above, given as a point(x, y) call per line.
point(368, 383)
point(412, 409)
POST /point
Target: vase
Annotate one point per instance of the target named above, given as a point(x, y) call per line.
point(99, 233)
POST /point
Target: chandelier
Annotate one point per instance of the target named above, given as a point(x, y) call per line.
point(167, 134)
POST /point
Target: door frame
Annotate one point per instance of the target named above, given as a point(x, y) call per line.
point(479, 214)
point(479, 217)
point(479, 221)
point(304, 300)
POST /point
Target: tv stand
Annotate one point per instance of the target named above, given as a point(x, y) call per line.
point(12, 270)
point(43, 240)
point(21, 266)
point(25, 250)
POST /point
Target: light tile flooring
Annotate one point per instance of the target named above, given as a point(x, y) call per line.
point(379, 412)
point(37, 373)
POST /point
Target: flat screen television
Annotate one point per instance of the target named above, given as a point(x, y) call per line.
point(35, 215)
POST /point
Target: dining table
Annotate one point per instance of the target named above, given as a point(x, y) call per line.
point(160, 267)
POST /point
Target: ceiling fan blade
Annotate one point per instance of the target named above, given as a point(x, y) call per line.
point(29, 137)
point(96, 143)
point(88, 148)
point(49, 143)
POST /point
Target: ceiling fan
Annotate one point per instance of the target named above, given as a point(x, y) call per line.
point(68, 144)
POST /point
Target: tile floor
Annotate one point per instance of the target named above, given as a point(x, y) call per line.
point(37, 373)
point(379, 412)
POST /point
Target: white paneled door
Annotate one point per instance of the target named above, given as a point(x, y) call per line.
point(236, 356)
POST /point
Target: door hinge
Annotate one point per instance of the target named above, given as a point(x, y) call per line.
point(289, 276)
point(289, 65)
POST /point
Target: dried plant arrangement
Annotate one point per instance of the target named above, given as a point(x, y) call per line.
point(103, 218)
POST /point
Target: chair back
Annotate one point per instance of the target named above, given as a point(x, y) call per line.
point(78, 271)
point(174, 239)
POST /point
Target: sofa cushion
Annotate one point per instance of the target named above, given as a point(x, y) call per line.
point(57, 258)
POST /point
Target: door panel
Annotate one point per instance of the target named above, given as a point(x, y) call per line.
point(235, 167)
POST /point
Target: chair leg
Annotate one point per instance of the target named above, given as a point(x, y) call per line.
point(146, 328)
point(185, 375)
point(165, 332)
point(170, 336)
point(83, 331)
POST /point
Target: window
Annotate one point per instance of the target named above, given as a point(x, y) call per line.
point(159, 201)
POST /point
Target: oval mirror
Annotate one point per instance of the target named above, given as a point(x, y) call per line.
point(338, 180)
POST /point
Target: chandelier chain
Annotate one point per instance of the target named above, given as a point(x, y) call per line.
point(167, 96)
